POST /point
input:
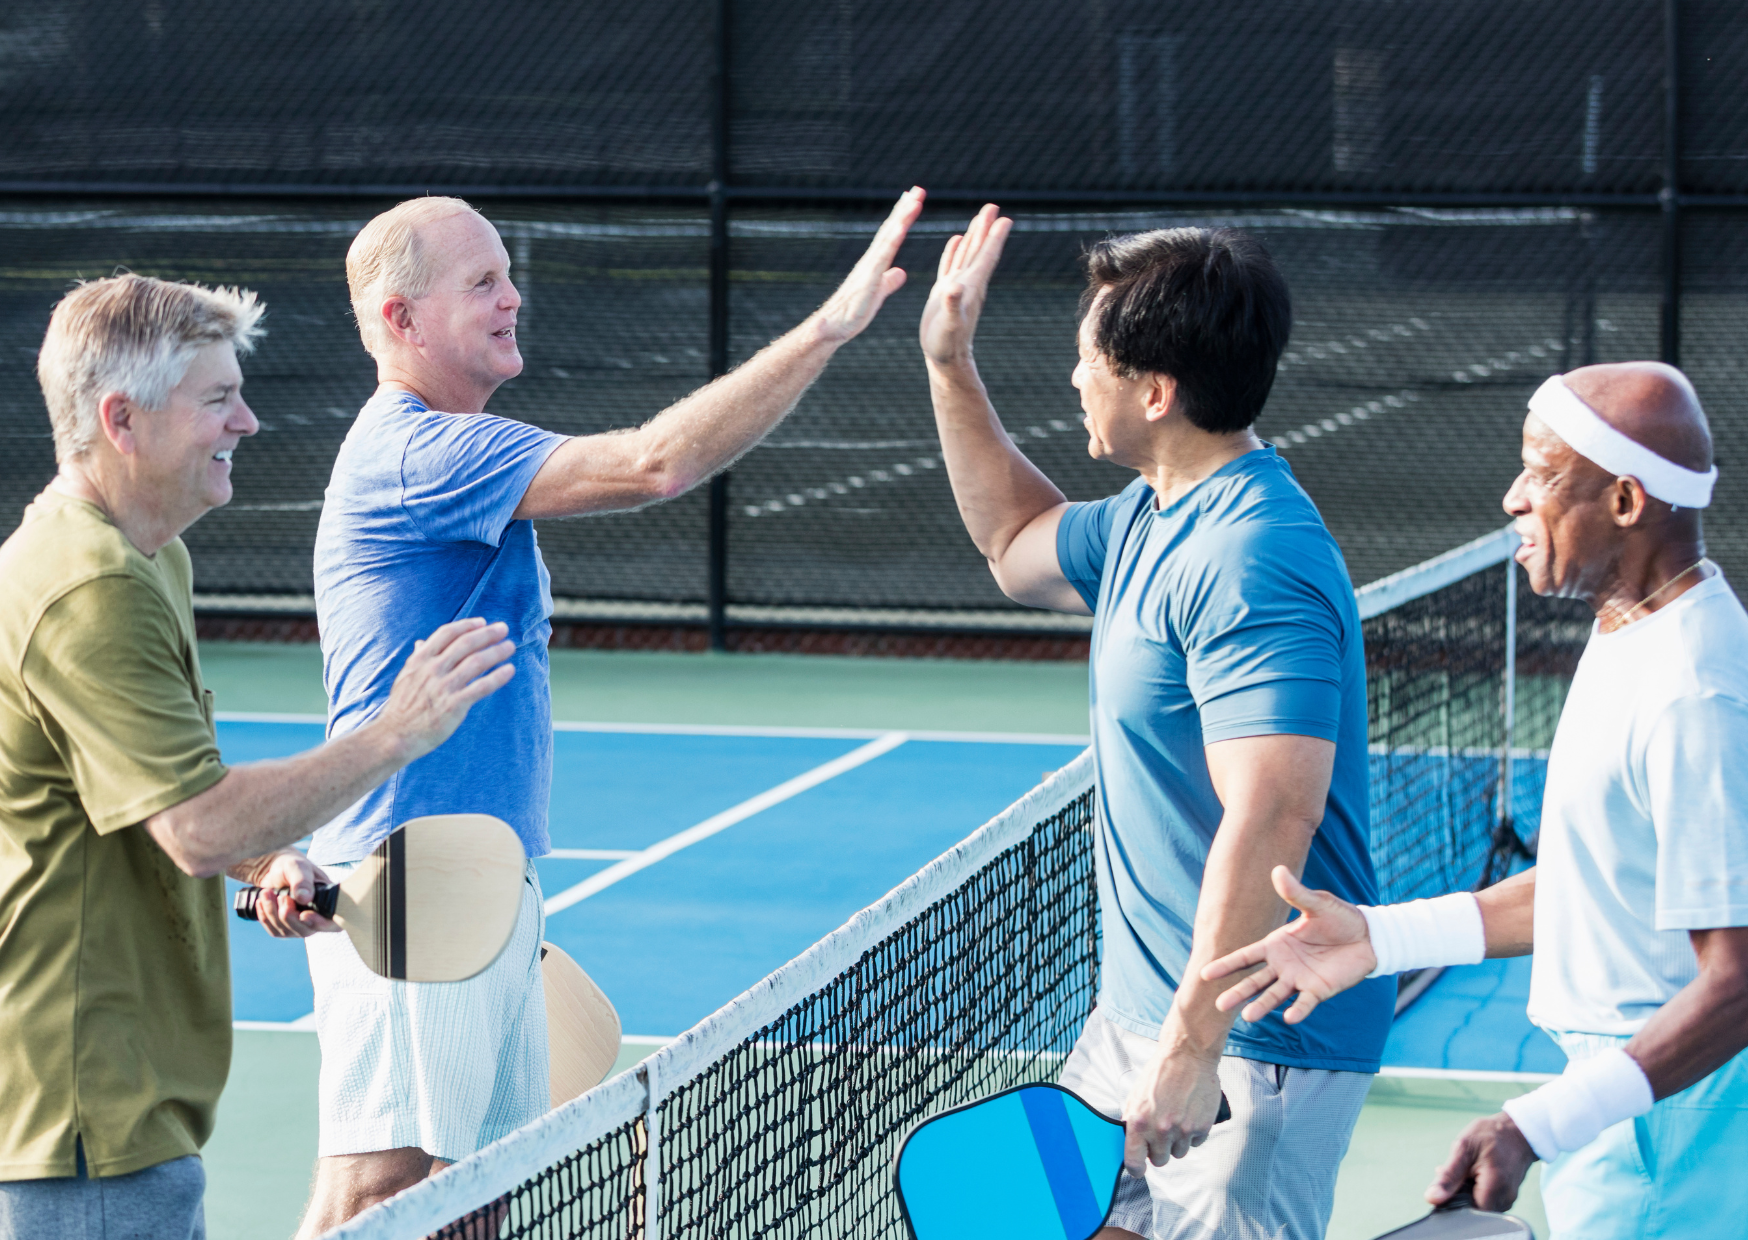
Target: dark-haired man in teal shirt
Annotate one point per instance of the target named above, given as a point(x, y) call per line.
point(1228, 714)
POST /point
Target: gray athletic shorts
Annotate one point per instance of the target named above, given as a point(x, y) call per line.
point(159, 1203)
point(1269, 1171)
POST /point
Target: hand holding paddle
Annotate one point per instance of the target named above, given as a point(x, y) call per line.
point(1488, 1161)
point(289, 880)
point(1316, 956)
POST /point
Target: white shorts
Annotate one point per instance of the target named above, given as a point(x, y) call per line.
point(447, 1067)
point(1269, 1171)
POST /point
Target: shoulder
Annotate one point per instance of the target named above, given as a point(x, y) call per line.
point(63, 548)
point(1260, 521)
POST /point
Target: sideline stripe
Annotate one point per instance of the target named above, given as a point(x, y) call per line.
point(724, 729)
point(719, 822)
point(588, 854)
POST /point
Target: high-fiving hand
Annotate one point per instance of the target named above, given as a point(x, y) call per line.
point(460, 663)
point(873, 279)
point(1317, 955)
point(961, 287)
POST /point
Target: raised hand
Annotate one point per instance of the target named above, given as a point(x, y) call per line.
point(873, 279)
point(1318, 955)
point(961, 287)
point(460, 663)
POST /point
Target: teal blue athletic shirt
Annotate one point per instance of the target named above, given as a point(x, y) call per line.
point(1226, 614)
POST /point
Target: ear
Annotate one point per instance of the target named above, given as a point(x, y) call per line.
point(1161, 392)
point(116, 415)
point(1627, 501)
point(397, 313)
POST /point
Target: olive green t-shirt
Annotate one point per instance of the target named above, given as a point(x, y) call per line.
point(115, 1011)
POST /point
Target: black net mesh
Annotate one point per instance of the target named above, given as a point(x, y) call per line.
point(1435, 680)
point(598, 1191)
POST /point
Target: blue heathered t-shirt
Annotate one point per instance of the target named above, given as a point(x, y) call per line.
point(416, 531)
point(1227, 614)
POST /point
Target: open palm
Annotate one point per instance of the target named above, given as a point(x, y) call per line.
point(1316, 956)
point(961, 287)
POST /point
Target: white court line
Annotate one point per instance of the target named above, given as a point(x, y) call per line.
point(727, 818)
point(303, 1024)
point(725, 729)
point(1468, 1074)
point(589, 854)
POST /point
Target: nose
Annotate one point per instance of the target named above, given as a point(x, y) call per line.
point(242, 420)
point(512, 299)
point(1516, 501)
point(1078, 376)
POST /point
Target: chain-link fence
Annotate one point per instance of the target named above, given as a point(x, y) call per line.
point(1464, 197)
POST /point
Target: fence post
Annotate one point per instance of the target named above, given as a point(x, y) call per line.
point(1670, 195)
point(717, 576)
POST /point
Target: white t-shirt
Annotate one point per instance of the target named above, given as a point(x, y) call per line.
point(1645, 818)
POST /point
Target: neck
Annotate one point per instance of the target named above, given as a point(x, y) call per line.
point(1646, 580)
point(1186, 458)
point(443, 392)
point(143, 523)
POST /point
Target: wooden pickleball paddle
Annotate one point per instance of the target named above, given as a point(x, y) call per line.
point(435, 902)
point(1031, 1163)
point(582, 1029)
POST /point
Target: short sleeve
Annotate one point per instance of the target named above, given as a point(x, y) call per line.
point(107, 672)
point(1082, 537)
point(462, 475)
point(1696, 780)
point(1263, 647)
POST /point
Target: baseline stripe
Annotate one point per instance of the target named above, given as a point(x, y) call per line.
point(721, 822)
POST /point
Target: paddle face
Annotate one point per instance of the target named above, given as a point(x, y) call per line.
point(582, 1029)
point(437, 900)
point(1033, 1163)
point(1458, 1219)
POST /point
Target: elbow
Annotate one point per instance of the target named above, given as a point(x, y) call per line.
point(661, 478)
point(186, 853)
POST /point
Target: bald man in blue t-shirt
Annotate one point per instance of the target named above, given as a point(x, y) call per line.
point(430, 512)
point(1228, 714)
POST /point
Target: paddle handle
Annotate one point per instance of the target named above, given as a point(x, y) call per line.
point(1225, 1111)
point(326, 898)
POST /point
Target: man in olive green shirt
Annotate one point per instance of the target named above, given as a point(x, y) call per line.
point(117, 814)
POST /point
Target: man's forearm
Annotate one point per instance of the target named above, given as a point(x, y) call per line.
point(1508, 915)
point(998, 490)
point(716, 425)
point(260, 807)
point(1237, 906)
point(1706, 1024)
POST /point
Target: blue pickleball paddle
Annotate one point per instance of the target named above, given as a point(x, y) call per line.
point(1030, 1163)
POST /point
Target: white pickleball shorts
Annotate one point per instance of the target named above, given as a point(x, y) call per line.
point(1268, 1173)
point(447, 1067)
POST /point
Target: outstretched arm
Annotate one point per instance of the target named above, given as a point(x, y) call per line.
point(708, 430)
point(1329, 947)
point(1009, 507)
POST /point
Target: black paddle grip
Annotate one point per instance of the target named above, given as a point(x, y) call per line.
point(1225, 1111)
point(326, 898)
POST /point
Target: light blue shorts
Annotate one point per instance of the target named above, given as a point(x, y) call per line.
point(446, 1067)
point(1681, 1169)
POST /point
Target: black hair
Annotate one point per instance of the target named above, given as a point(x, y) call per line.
point(1204, 306)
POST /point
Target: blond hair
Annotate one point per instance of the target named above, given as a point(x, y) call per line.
point(389, 258)
point(134, 335)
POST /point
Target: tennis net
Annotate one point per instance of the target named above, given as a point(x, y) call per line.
point(778, 1115)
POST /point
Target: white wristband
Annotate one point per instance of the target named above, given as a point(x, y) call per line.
point(1591, 1095)
point(1425, 933)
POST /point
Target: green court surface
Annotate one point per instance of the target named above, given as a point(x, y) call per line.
point(260, 1157)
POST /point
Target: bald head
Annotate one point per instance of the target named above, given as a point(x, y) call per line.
point(1650, 403)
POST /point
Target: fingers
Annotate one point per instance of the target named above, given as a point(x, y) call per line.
point(894, 229)
point(1134, 1149)
point(1456, 1171)
point(465, 645)
point(1272, 998)
point(948, 252)
point(1302, 1007)
point(989, 253)
point(1238, 992)
point(486, 685)
point(1251, 954)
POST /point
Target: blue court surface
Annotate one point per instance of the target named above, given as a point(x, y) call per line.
point(837, 819)
point(795, 830)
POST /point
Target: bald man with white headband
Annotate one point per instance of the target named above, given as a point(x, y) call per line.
point(1637, 908)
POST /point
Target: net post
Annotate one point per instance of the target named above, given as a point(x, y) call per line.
point(652, 1152)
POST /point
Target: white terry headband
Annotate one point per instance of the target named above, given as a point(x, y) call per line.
point(1578, 424)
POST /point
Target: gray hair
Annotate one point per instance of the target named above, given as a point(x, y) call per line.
point(389, 257)
point(134, 335)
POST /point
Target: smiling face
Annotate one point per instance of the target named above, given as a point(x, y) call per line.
point(465, 327)
point(1114, 409)
point(1560, 505)
point(182, 452)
